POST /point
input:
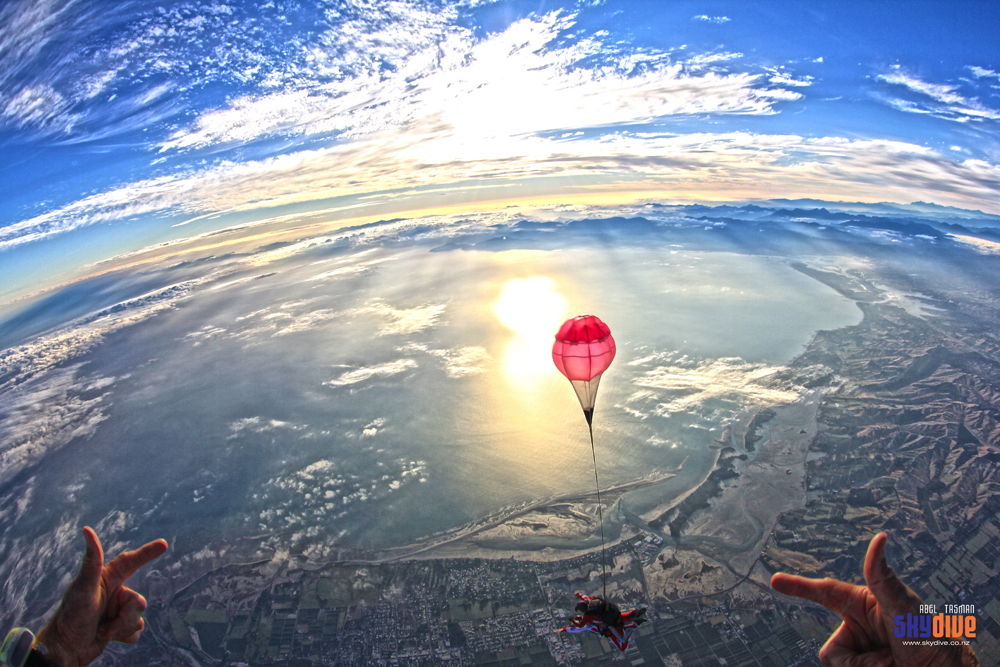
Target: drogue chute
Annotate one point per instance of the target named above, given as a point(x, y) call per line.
point(583, 350)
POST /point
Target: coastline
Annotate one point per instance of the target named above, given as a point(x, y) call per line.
point(721, 522)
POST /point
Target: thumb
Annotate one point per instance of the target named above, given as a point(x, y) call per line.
point(892, 594)
point(89, 576)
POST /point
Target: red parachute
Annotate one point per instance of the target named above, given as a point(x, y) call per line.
point(583, 350)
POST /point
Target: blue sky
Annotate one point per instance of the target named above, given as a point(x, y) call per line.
point(129, 124)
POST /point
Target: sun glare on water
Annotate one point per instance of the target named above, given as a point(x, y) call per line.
point(533, 310)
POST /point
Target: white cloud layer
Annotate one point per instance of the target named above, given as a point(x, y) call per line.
point(399, 98)
point(415, 100)
point(682, 385)
point(309, 500)
point(46, 413)
point(46, 401)
point(22, 363)
point(403, 321)
point(55, 557)
point(352, 269)
point(732, 164)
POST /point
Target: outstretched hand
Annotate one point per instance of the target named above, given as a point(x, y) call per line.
point(97, 607)
point(865, 637)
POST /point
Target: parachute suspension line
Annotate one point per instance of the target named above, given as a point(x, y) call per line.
point(600, 511)
point(583, 350)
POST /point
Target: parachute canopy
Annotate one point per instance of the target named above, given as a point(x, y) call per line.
point(583, 350)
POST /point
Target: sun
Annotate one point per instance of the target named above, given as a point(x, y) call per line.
point(533, 310)
point(530, 306)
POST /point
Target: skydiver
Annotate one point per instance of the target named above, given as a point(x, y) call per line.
point(603, 617)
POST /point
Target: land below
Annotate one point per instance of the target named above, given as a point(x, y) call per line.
point(896, 428)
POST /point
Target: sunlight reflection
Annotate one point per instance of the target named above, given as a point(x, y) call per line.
point(528, 395)
point(533, 310)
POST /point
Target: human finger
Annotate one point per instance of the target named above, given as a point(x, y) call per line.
point(892, 594)
point(833, 653)
point(125, 565)
point(835, 595)
point(118, 632)
point(128, 621)
point(89, 576)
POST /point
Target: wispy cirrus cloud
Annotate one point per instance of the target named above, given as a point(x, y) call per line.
point(38, 105)
point(351, 269)
point(705, 18)
point(70, 72)
point(514, 82)
point(937, 99)
point(27, 30)
point(355, 78)
point(414, 100)
point(368, 372)
point(780, 76)
point(408, 101)
point(701, 60)
point(983, 72)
